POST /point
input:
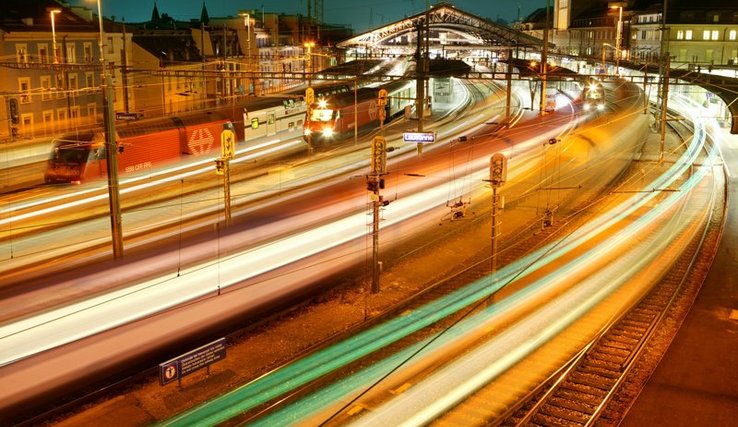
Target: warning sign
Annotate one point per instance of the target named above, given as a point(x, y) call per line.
point(201, 357)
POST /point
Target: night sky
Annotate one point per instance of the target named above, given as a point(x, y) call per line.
point(359, 14)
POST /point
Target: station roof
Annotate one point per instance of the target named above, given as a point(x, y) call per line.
point(466, 30)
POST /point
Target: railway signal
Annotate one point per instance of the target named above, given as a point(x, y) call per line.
point(374, 183)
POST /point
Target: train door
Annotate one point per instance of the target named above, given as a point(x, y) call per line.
point(271, 123)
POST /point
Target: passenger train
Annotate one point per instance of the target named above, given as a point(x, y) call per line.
point(145, 144)
point(334, 117)
point(593, 94)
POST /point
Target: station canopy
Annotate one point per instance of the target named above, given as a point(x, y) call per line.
point(449, 29)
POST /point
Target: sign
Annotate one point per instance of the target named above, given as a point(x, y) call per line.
point(201, 357)
point(382, 97)
point(128, 116)
point(419, 137)
point(227, 141)
point(200, 141)
point(310, 96)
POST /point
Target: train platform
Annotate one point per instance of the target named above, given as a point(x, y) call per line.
point(696, 382)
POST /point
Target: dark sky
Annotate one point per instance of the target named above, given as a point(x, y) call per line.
point(359, 14)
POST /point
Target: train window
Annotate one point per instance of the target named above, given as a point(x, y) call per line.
point(255, 123)
point(299, 123)
point(270, 119)
point(290, 125)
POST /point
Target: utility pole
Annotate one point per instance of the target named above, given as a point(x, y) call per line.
point(666, 64)
point(544, 62)
point(420, 68)
point(111, 148)
point(508, 91)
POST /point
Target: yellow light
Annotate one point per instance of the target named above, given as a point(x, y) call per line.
point(322, 103)
point(307, 131)
point(533, 63)
point(327, 132)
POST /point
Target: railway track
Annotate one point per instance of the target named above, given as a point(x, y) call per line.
point(580, 393)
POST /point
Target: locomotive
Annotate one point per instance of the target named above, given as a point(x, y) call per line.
point(333, 118)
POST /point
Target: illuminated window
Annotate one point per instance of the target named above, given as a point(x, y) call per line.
point(706, 35)
point(688, 35)
point(715, 34)
point(731, 34)
point(43, 53)
point(680, 35)
point(21, 53)
point(46, 87)
point(24, 87)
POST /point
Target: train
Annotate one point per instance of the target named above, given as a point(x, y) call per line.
point(337, 116)
point(80, 156)
point(594, 96)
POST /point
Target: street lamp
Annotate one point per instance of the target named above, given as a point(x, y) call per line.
point(619, 33)
point(53, 12)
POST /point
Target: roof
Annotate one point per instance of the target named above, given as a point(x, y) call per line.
point(33, 15)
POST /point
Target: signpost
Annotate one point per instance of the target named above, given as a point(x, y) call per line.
point(185, 364)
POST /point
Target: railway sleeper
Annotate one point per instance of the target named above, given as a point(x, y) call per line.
point(564, 413)
point(625, 339)
point(598, 370)
point(552, 421)
point(578, 396)
point(622, 345)
point(605, 361)
point(602, 383)
point(583, 388)
point(641, 318)
point(586, 406)
point(615, 353)
point(641, 326)
point(628, 332)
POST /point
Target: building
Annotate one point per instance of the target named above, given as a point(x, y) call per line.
point(50, 72)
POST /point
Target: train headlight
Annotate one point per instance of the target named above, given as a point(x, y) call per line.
point(322, 104)
point(327, 132)
point(307, 131)
point(587, 106)
point(600, 107)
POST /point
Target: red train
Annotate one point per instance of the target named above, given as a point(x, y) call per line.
point(334, 117)
point(151, 143)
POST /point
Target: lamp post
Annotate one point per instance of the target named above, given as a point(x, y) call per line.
point(53, 33)
point(111, 148)
point(618, 34)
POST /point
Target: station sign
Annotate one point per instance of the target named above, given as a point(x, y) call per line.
point(201, 357)
point(128, 116)
point(419, 137)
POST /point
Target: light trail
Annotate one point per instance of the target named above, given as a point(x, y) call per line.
point(312, 367)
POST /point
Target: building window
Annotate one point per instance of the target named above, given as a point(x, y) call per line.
point(24, 87)
point(731, 35)
point(682, 55)
point(709, 55)
point(45, 88)
point(92, 111)
point(59, 85)
point(88, 52)
point(680, 35)
point(71, 54)
point(43, 54)
point(48, 117)
point(89, 80)
point(715, 34)
point(111, 48)
point(27, 124)
point(73, 82)
point(688, 34)
point(21, 53)
point(706, 35)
